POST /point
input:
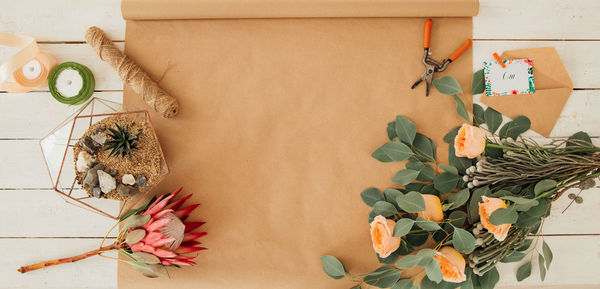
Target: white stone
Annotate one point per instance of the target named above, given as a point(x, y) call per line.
point(84, 161)
point(128, 179)
point(107, 182)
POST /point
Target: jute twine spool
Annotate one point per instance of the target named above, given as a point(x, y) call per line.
point(131, 73)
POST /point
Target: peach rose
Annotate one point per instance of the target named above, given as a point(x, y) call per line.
point(469, 142)
point(382, 231)
point(452, 264)
point(433, 209)
point(486, 209)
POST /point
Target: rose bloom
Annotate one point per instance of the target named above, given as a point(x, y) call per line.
point(433, 208)
point(452, 264)
point(486, 209)
point(469, 142)
point(382, 230)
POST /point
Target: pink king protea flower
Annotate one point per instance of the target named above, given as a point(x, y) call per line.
point(166, 235)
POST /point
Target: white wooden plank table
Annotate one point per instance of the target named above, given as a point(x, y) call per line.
point(37, 225)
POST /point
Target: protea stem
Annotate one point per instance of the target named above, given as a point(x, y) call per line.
point(45, 264)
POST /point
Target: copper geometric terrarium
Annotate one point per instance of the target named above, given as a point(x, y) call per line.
point(59, 149)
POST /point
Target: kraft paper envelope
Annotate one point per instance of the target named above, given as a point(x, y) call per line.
point(553, 87)
point(278, 118)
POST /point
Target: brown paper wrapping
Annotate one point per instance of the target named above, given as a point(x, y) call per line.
point(553, 87)
point(277, 123)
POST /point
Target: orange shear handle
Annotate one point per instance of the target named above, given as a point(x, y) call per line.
point(427, 37)
point(461, 50)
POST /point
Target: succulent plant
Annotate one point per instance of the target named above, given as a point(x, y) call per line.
point(122, 141)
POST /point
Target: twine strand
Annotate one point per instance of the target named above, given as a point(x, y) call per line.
point(131, 73)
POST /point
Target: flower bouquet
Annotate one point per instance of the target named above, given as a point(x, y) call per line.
point(153, 237)
point(450, 225)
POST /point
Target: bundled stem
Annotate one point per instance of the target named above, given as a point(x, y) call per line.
point(45, 264)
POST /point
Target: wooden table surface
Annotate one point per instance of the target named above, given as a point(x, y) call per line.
point(36, 224)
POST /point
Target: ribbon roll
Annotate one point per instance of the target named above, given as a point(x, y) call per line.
point(71, 83)
point(29, 67)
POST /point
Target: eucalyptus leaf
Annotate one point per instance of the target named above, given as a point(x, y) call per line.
point(579, 140)
point(371, 196)
point(447, 85)
point(426, 174)
point(135, 236)
point(473, 207)
point(142, 267)
point(403, 226)
point(539, 209)
point(542, 267)
point(391, 130)
point(449, 137)
point(405, 129)
point(397, 151)
point(478, 84)
point(457, 218)
point(414, 164)
point(391, 259)
point(424, 146)
point(493, 119)
point(145, 257)
point(514, 257)
point(449, 169)
point(417, 239)
point(381, 156)
point(427, 225)
point(333, 267)
point(433, 271)
point(408, 262)
point(412, 202)
point(503, 216)
point(417, 187)
point(489, 279)
point(478, 114)
point(524, 271)
point(460, 163)
point(544, 186)
point(527, 221)
point(459, 198)
point(463, 241)
point(135, 221)
point(547, 254)
point(446, 182)
point(517, 126)
point(384, 277)
point(526, 245)
point(403, 284)
point(384, 208)
point(521, 204)
point(461, 109)
point(391, 195)
point(405, 177)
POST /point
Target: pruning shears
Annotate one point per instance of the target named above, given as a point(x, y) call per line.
point(431, 65)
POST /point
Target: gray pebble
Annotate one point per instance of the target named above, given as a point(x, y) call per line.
point(98, 138)
point(90, 145)
point(141, 181)
point(90, 179)
point(97, 192)
point(126, 191)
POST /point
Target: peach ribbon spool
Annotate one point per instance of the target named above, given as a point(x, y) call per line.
point(29, 67)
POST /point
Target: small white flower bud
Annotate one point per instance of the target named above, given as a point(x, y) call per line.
point(476, 231)
point(470, 185)
point(478, 241)
point(465, 178)
point(476, 183)
point(472, 169)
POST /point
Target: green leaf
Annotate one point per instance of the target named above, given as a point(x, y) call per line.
point(384, 208)
point(461, 109)
point(405, 129)
point(412, 202)
point(415, 164)
point(463, 241)
point(544, 186)
point(478, 84)
point(144, 268)
point(459, 198)
point(526, 245)
point(524, 271)
point(391, 195)
point(417, 239)
point(503, 216)
point(397, 151)
point(381, 156)
point(405, 177)
point(408, 262)
point(391, 130)
point(135, 221)
point(493, 119)
point(371, 196)
point(516, 127)
point(522, 204)
point(489, 279)
point(542, 267)
point(478, 114)
point(446, 182)
point(426, 175)
point(447, 85)
point(527, 221)
point(449, 169)
point(459, 163)
point(579, 140)
point(333, 267)
point(391, 258)
point(547, 254)
point(425, 256)
point(424, 146)
point(135, 236)
point(514, 257)
point(540, 209)
point(433, 271)
point(449, 137)
point(403, 226)
point(146, 258)
point(427, 225)
point(474, 203)
point(383, 277)
point(457, 218)
point(403, 284)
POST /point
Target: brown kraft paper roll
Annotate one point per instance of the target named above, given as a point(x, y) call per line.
point(278, 118)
